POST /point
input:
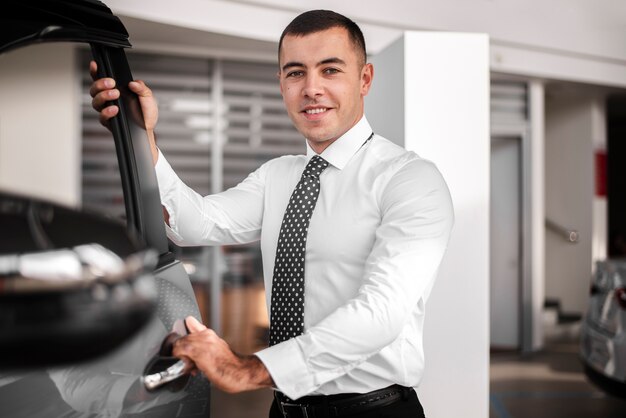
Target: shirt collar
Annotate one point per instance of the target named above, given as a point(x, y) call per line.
point(341, 150)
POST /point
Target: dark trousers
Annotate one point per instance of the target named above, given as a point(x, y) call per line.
point(403, 408)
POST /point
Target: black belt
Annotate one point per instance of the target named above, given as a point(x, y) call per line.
point(341, 405)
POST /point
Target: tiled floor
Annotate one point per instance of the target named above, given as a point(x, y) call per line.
point(244, 405)
point(550, 384)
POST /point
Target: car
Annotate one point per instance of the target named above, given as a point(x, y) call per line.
point(603, 331)
point(90, 304)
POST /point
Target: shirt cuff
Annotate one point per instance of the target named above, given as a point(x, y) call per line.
point(286, 364)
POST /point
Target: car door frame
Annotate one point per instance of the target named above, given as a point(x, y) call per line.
point(139, 183)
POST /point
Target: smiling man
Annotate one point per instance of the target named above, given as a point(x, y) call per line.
point(323, 80)
point(352, 235)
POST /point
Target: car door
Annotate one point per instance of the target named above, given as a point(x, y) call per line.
point(111, 384)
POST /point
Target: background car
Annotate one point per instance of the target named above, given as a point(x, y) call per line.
point(603, 332)
point(78, 335)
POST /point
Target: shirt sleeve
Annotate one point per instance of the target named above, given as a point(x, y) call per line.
point(230, 217)
point(410, 242)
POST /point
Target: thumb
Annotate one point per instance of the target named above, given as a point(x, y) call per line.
point(193, 325)
point(139, 88)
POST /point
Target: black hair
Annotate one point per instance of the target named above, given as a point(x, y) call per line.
point(319, 20)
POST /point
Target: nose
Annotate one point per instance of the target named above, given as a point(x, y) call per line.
point(313, 86)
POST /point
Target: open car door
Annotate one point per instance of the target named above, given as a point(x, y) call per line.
point(69, 355)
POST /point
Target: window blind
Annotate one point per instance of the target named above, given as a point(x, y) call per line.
point(255, 127)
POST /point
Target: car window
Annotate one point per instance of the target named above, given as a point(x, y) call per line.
point(101, 185)
point(42, 152)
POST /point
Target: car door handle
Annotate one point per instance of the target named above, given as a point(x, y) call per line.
point(156, 380)
point(165, 368)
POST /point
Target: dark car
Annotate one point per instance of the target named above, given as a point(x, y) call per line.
point(603, 332)
point(89, 303)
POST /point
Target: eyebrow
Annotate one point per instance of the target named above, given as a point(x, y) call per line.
point(332, 60)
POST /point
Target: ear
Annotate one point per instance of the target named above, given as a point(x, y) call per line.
point(367, 75)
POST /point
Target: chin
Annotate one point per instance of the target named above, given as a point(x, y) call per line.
point(317, 139)
point(318, 135)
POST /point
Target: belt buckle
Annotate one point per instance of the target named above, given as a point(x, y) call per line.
point(302, 408)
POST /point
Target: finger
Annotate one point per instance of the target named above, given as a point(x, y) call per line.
point(101, 99)
point(182, 349)
point(100, 85)
point(194, 345)
point(190, 366)
point(107, 113)
point(193, 325)
point(140, 88)
point(93, 70)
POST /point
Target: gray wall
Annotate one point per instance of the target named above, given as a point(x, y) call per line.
point(40, 123)
point(569, 195)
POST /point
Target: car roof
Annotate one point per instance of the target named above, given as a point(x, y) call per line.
point(24, 22)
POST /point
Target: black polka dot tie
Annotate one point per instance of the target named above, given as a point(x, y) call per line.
point(287, 305)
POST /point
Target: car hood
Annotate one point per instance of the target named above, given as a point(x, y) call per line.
point(24, 22)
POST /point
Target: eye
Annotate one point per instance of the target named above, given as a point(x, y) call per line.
point(331, 70)
point(296, 73)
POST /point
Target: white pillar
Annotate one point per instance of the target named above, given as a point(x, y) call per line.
point(431, 95)
point(217, 185)
point(536, 98)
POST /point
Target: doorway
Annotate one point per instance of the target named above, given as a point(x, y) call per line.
point(513, 296)
point(616, 175)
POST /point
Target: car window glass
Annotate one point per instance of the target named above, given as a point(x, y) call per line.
point(101, 184)
point(42, 152)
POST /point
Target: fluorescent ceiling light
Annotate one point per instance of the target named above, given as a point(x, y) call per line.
point(199, 122)
point(202, 137)
point(191, 105)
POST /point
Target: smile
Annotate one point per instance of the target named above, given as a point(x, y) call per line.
point(316, 110)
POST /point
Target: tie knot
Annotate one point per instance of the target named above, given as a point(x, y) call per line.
point(315, 167)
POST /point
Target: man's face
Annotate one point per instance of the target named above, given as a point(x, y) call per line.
point(323, 83)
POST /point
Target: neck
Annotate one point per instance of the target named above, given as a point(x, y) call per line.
point(319, 147)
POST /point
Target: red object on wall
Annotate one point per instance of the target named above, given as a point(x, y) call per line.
point(600, 162)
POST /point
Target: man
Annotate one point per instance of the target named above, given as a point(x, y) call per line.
point(349, 257)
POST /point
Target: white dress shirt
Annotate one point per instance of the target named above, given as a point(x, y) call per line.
point(376, 238)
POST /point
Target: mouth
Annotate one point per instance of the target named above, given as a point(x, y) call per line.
point(315, 113)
